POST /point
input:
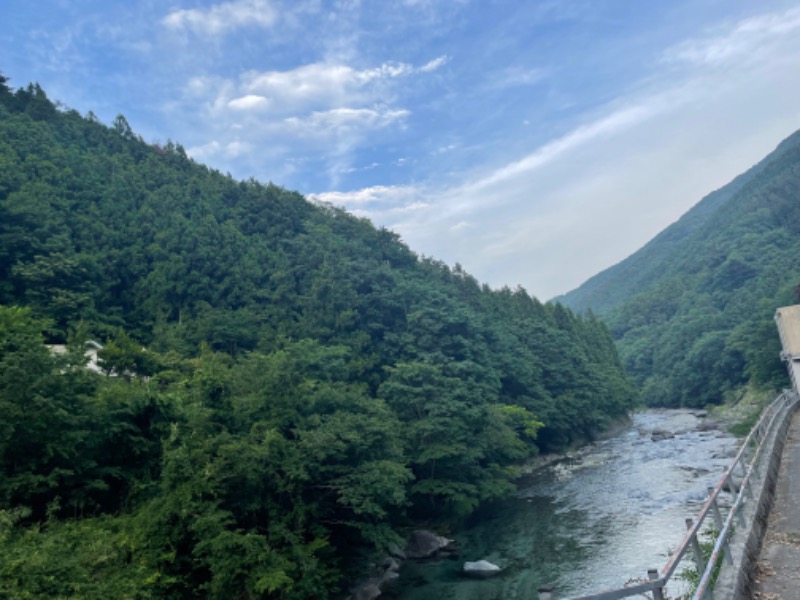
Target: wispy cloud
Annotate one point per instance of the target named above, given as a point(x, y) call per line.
point(747, 40)
point(332, 84)
point(588, 197)
point(344, 120)
point(434, 64)
point(611, 124)
point(417, 107)
point(385, 195)
point(249, 102)
point(223, 18)
point(215, 148)
point(517, 76)
point(388, 205)
point(333, 106)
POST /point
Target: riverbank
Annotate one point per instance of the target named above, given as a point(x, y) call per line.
point(742, 409)
point(587, 519)
point(576, 449)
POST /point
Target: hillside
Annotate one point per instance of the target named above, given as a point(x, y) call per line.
point(613, 286)
point(293, 387)
point(692, 310)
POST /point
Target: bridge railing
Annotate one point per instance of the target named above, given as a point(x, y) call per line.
point(739, 480)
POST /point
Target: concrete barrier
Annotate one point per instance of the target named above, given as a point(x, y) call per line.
point(736, 580)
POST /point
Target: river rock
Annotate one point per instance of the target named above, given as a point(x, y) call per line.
point(372, 588)
point(422, 544)
point(695, 471)
point(368, 591)
point(729, 452)
point(481, 568)
point(658, 435)
point(707, 426)
point(395, 551)
point(390, 563)
point(387, 578)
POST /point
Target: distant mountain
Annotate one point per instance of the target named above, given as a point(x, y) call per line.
point(692, 310)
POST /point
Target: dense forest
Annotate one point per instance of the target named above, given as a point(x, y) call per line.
point(285, 388)
point(692, 311)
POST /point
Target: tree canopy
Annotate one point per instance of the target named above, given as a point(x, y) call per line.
point(285, 387)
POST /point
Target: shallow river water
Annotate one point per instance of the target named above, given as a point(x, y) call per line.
point(587, 523)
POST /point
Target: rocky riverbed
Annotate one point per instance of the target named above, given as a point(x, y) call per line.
point(592, 520)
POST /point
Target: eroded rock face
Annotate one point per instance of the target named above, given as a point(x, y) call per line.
point(481, 568)
point(422, 544)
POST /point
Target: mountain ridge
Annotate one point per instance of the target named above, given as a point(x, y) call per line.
point(608, 288)
point(691, 313)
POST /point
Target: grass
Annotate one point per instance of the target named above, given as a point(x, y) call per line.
point(742, 409)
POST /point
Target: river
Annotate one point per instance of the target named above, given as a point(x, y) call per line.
point(587, 523)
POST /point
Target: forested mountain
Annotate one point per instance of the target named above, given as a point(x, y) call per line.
point(692, 311)
point(291, 386)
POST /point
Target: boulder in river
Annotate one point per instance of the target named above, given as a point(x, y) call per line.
point(372, 588)
point(707, 426)
point(422, 544)
point(390, 563)
point(658, 435)
point(481, 568)
point(368, 591)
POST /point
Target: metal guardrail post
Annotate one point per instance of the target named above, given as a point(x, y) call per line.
point(740, 516)
point(658, 593)
point(718, 521)
point(715, 508)
point(743, 465)
point(698, 553)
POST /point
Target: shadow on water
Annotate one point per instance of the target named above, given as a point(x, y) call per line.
point(587, 523)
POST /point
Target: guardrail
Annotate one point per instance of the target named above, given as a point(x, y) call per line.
point(738, 479)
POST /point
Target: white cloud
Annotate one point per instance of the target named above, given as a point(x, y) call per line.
point(327, 83)
point(461, 226)
point(330, 105)
point(517, 76)
point(342, 120)
point(554, 214)
point(250, 102)
point(434, 64)
point(590, 197)
point(222, 18)
point(217, 149)
point(747, 40)
point(368, 167)
point(237, 148)
point(609, 125)
point(389, 195)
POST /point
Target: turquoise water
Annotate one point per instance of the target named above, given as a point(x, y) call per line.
point(587, 523)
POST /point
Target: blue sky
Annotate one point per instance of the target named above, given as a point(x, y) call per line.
point(534, 142)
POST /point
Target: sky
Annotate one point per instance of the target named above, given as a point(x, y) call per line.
point(533, 142)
